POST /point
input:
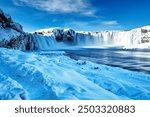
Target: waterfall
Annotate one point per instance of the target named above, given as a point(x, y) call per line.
point(38, 42)
point(56, 39)
point(44, 42)
point(109, 38)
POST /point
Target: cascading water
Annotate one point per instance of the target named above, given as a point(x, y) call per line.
point(109, 38)
point(38, 42)
point(70, 38)
point(44, 42)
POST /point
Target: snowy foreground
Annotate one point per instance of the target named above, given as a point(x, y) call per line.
point(51, 75)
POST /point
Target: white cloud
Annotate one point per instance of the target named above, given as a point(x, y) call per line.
point(59, 6)
point(94, 25)
point(110, 23)
point(113, 24)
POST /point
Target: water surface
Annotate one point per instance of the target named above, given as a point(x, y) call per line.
point(136, 60)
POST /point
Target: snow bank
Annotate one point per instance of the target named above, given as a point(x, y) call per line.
point(8, 34)
point(51, 75)
point(10, 89)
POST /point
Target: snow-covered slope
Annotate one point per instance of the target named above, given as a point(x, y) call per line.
point(7, 22)
point(10, 89)
point(10, 32)
point(51, 75)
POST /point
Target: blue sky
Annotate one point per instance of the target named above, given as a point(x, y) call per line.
point(86, 15)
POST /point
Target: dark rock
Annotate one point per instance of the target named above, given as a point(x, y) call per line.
point(81, 62)
point(7, 22)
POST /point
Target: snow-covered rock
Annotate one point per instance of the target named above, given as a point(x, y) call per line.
point(7, 22)
point(11, 33)
point(59, 34)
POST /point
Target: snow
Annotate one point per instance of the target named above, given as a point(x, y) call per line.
point(17, 27)
point(10, 89)
point(52, 75)
point(9, 30)
point(8, 34)
point(48, 31)
point(7, 22)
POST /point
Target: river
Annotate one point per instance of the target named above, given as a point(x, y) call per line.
point(134, 59)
